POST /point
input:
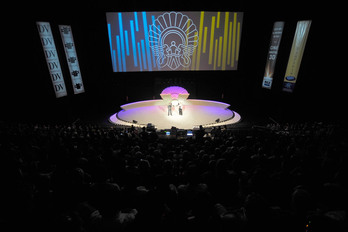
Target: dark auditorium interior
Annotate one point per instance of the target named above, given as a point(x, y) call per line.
point(282, 167)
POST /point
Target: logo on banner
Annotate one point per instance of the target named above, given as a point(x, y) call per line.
point(69, 45)
point(290, 78)
point(78, 86)
point(72, 59)
point(65, 30)
point(267, 82)
point(288, 86)
point(174, 40)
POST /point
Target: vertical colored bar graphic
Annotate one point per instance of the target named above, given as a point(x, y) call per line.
point(234, 39)
point(211, 40)
point(136, 21)
point(159, 42)
point(200, 33)
point(111, 49)
point(143, 51)
point(205, 39)
point(229, 44)
point(147, 46)
point(114, 60)
point(216, 43)
point(122, 42)
point(139, 51)
point(133, 44)
point(119, 53)
point(225, 41)
point(126, 39)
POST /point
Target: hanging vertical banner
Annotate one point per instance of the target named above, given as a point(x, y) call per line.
point(52, 59)
point(71, 57)
point(272, 54)
point(297, 49)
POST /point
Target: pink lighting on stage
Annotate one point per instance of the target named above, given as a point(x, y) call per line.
point(174, 109)
point(174, 91)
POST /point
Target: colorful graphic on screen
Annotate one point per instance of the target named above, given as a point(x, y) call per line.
point(174, 41)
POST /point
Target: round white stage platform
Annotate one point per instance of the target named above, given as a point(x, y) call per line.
point(194, 113)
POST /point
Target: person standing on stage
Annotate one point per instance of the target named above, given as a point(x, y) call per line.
point(180, 110)
point(170, 109)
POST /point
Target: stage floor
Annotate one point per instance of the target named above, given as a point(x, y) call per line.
point(195, 113)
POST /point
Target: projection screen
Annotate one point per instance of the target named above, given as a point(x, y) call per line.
point(174, 41)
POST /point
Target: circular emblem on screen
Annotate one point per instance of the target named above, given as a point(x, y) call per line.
point(173, 37)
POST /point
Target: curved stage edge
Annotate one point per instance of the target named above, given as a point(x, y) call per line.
point(195, 113)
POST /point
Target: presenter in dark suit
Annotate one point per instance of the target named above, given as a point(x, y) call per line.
point(169, 109)
point(180, 110)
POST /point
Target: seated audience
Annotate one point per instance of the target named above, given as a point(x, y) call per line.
point(89, 178)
